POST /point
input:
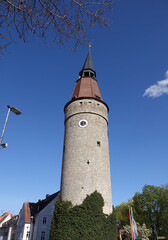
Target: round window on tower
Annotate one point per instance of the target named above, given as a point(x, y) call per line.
point(83, 123)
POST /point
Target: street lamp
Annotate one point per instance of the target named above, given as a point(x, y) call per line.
point(17, 112)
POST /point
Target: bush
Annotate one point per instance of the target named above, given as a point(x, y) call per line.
point(85, 222)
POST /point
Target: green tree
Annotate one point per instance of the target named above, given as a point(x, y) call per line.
point(164, 216)
point(150, 207)
point(122, 213)
point(64, 19)
point(86, 221)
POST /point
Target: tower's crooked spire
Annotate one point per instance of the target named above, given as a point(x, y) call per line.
point(87, 70)
point(86, 86)
point(88, 62)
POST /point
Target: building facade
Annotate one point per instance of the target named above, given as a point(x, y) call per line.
point(33, 221)
point(8, 224)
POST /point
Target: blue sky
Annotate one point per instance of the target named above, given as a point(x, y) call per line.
point(131, 60)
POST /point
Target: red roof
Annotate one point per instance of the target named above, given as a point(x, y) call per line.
point(86, 87)
point(2, 218)
point(27, 212)
point(30, 209)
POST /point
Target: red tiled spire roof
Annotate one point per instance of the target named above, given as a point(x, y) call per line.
point(86, 85)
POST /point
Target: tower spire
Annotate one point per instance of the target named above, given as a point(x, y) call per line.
point(86, 86)
point(88, 70)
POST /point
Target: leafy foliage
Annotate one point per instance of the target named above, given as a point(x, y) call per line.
point(122, 213)
point(150, 208)
point(86, 221)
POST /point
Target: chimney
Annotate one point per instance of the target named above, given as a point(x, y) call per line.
point(47, 196)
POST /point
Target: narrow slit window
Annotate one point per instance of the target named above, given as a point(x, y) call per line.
point(98, 143)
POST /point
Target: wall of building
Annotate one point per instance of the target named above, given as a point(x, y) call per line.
point(20, 225)
point(86, 166)
point(8, 230)
point(4, 233)
point(39, 225)
point(26, 231)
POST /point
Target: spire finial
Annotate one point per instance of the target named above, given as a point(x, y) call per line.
point(89, 45)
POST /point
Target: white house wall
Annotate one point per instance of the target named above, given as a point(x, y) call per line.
point(20, 225)
point(39, 227)
point(9, 233)
point(26, 230)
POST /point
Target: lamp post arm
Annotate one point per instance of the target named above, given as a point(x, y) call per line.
point(4, 126)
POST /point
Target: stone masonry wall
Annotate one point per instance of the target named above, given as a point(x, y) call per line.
point(86, 166)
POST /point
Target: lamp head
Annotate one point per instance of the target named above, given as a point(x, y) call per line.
point(4, 145)
point(14, 110)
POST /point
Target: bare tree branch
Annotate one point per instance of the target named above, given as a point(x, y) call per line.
point(64, 20)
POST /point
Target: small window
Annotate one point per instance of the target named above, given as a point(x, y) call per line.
point(97, 97)
point(98, 144)
point(86, 74)
point(42, 235)
point(13, 236)
point(28, 235)
point(44, 220)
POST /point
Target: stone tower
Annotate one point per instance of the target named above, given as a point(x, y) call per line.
point(86, 166)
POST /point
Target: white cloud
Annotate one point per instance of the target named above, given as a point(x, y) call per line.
point(158, 89)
